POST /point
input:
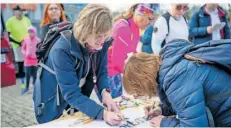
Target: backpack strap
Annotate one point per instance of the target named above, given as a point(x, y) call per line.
point(67, 35)
point(167, 18)
point(39, 98)
point(46, 67)
point(186, 21)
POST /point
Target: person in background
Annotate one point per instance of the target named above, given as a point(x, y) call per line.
point(17, 27)
point(145, 42)
point(202, 24)
point(53, 13)
point(28, 50)
point(126, 35)
point(171, 25)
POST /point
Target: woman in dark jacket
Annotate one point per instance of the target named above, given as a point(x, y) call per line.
point(194, 83)
point(201, 24)
point(53, 13)
point(74, 66)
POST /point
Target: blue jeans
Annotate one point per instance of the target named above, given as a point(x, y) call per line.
point(30, 71)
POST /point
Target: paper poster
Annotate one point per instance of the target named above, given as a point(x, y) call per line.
point(133, 113)
point(218, 26)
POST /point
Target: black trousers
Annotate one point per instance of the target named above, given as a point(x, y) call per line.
point(30, 72)
point(21, 72)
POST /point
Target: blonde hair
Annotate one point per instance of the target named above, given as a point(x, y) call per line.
point(128, 14)
point(93, 19)
point(140, 74)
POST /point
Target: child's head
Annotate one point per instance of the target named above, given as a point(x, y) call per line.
point(32, 31)
point(140, 74)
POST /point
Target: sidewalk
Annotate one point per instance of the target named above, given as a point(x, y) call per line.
point(16, 109)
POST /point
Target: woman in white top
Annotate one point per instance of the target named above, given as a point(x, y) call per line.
point(170, 26)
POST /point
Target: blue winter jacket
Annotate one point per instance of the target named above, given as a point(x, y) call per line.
point(199, 23)
point(60, 90)
point(187, 87)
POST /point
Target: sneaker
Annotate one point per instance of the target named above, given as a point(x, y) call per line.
point(29, 92)
point(22, 80)
point(24, 91)
point(31, 87)
point(22, 86)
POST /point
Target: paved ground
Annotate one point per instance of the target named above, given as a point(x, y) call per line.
point(17, 109)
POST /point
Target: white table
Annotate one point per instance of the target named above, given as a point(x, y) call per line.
point(69, 121)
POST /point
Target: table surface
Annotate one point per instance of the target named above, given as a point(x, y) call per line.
point(70, 121)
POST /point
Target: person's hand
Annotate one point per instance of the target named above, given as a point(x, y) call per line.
point(219, 26)
point(112, 118)
point(152, 111)
point(156, 121)
point(111, 105)
point(209, 29)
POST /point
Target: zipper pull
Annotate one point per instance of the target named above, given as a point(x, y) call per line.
point(94, 79)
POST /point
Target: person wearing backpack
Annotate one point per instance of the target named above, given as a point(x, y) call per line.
point(203, 22)
point(193, 83)
point(74, 64)
point(126, 35)
point(171, 25)
point(53, 13)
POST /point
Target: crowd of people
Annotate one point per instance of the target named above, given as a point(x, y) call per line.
point(185, 62)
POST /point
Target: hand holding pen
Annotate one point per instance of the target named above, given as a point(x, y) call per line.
point(152, 111)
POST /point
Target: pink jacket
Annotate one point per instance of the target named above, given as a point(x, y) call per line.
point(126, 37)
point(29, 49)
